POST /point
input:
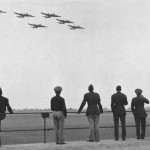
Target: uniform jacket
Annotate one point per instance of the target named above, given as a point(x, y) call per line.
point(137, 106)
point(118, 100)
point(58, 104)
point(94, 105)
point(4, 103)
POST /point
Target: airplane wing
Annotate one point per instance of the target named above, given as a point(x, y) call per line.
point(2, 11)
point(71, 26)
point(54, 15)
point(64, 21)
point(80, 27)
point(75, 27)
point(30, 16)
point(68, 21)
point(44, 13)
point(34, 25)
point(42, 26)
point(21, 15)
point(18, 13)
point(59, 20)
point(37, 25)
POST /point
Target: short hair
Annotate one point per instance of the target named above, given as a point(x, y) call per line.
point(90, 88)
point(118, 88)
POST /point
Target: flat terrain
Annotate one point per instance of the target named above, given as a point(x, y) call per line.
point(129, 144)
point(35, 121)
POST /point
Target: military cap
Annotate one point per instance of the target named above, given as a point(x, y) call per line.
point(57, 89)
point(138, 91)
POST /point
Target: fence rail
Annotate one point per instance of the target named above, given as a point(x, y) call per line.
point(44, 129)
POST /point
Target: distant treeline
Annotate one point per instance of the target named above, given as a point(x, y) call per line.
point(69, 110)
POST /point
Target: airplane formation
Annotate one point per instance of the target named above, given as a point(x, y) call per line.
point(46, 15)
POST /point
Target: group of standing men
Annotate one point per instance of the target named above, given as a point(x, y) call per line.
point(94, 109)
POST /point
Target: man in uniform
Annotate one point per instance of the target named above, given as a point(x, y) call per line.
point(4, 104)
point(137, 107)
point(59, 114)
point(93, 112)
point(118, 100)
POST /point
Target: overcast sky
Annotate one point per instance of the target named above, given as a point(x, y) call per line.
point(113, 49)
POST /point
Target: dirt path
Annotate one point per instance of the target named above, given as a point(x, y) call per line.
point(83, 145)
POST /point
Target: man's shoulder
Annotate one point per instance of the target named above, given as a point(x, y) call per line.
point(57, 98)
point(118, 95)
point(88, 93)
point(114, 95)
point(96, 93)
point(53, 98)
point(134, 98)
point(123, 94)
point(3, 98)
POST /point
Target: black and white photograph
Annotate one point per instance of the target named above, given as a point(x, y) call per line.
point(74, 74)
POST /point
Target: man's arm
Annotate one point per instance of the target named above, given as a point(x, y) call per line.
point(125, 100)
point(132, 106)
point(9, 108)
point(82, 104)
point(99, 104)
point(146, 100)
point(64, 108)
point(52, 105)
point(112, 104)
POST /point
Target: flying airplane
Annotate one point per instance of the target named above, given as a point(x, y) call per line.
point(37, 25)
point(64, 21)
point(21, 15)
point(75, 27)
point(49, 15)
point(2, 11)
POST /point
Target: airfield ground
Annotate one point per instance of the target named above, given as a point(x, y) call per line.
point(129, 144)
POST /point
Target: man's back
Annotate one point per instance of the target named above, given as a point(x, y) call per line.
point(118, 100)
point(92, 98)
point(137, 106)
point(94, 105)
point(58, 104)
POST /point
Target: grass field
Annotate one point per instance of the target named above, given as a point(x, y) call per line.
point(35, 121)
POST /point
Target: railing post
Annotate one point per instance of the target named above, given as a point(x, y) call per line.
point(44, 116)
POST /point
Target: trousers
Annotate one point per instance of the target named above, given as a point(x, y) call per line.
point(140, 121)
point(116, 124)
point(93, 127)
point(59, 120)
